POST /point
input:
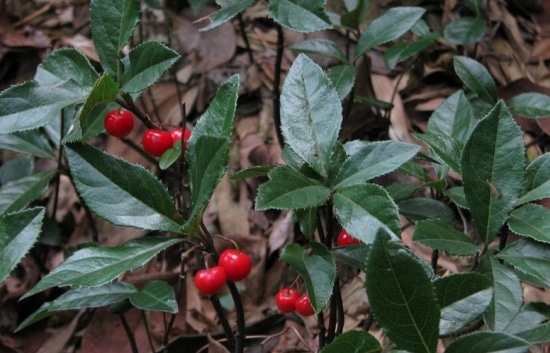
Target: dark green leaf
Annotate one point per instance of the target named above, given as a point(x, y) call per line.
point(530, 259)
point(125, 194)
point(420, 208)
point(531, 221)
point(373, 160)
point(16, 169)
point(357, 12)
point(530, 105)
point(364, 210)
point(443, 236)
point(311, 113)
point(355, 256)
point(404, 51)
point(465, 30)
point(456, 194)
point(401, 191)
point(538, 179)
point(488, 342)
point(402, 297)
point(32, 142)
point(63, 65)
point(454, 118)
point(289, 189)
point(391, 25)
point(156, 296)
point(527, 318)
point(96, 266)
point(493, 170)
point(343, 78)
point(208, 148)
point(537, 335)
point(113, 22)
point(463, 297)
point(171, 156)
point(229, 10)
point(252, 172)
point(476, 77)
point(18, 233)
point(307, 220)
point(145, 64)
point(16, 195)
point(353, 342)
point(446, 148)
point(300, 15)
point(321, 46)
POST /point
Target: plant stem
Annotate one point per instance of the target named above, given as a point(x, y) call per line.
point(129, 334)
point(242, 28)
point(369, 321)
point(128, 104)
point(340, 304)
point(225, 324)
point(503, 239)
point(148, 331)
point(59, 162)
point(435, 258)
point(277, 84)
point(322, 332)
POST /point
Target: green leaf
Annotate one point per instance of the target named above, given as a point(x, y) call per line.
point(402, 297)
point(476, 77)
point(507, 295)
point(16, 195)
point(446, 148)
point(373, 160)
point(531, 221)
point(307, 220)
point(457, 195)
point(453, 118)
point(145, 64)
point(300, 15)
point(311, 113)
point(289, 189)
point(526, 319)
point(443, 236)
point(488, 342)
point(530, 105)
point(364, 210)
point(320, 46)
point(538, 179)
point(170, 156)
point(18, 233)
point(420, 208)
point(343, 78)
point(96, 266)
point(353, 342)
point(403, 51)
point(401, 191)
point(530, 259)
point(252, 172)
point(317, 269)
point(113, 22)
point(81, 298)
point(357, 12)
point(156, 296)
point(125, 194)
point(391, 25)
point(463, 298)
point(537, 335)
point(66, 64)
point(493, 170)
point(32, 142)
point(208, 148)
point(465, 30)
point(354, 256)
point(15, 169)
point(229, 10)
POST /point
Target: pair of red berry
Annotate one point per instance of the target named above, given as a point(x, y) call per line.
point(289, 300)
point(120, 122)
point(233, 265)
point(346, 239)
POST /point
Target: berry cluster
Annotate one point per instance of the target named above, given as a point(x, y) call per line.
point(346, 239)
point(120, 122)
point(233, 265)
point(289, 300)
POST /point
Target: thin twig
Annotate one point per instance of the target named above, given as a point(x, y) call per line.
point(435, 258)
point(340, 305)
point(139, 150)
point(242, 28)
point(322, 331)
point(129, 334)
point(223, 318)
point(277, 84)
point(129, 105)
point(148, 331)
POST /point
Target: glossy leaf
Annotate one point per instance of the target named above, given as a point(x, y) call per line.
point(402, 297)
point(487, 342)
point(538, 179)
point(527, 318)
point(320, 46)
point(493, 170)
point(289, 189)
point(457, 195)
point(391, 25)
point(300, 15)
point(353, 342)
point(229, 10)
point(311, 113)
point(530, 259)
point(145, 64)
point(171, 156)
point(403, 51)
point(32, 142)
point(113, 22)
point(365, 210)
point(355, 256)
point(531, 221)
point(446, 148)
point(373, 160)
point(15, 169)
point(66, 64)
point(208, 148)
point(465, 30)
point(156, 296)
point(252, 172)
point(530, 105)
point(537, 335)
point(343, 78)
point(454, 117)
point(443, 236)
point(125, 194)
point(16, 195)
point(420, 208)
point(476, 77)
point(96, 266)
point(18, 233)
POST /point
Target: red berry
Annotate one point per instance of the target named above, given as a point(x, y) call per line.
point(345, 239)
point(286, 300)
point(119, 122)
point(304, 307)
point(237, 264)
point(156, 142)
point(210, 280)
point(181, 134)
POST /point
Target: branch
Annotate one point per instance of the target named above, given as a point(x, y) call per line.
point(277, 84)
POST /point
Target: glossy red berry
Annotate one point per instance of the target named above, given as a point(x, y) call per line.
point(237, 264)
point(156, 142)
point(304, 307)
point(181, 134)
point(345, 239)
point(210, 280)
point(286, 300)
point(119, 122)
